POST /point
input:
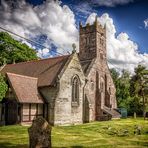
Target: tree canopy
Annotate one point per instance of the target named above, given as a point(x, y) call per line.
point(12, 50)
point(132, 91)
point(3, 87)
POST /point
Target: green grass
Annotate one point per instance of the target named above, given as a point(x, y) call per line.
point(107, 134)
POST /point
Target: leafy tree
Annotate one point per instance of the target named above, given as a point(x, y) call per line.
point(139, 86)
point(122, 84)
point(132, 92)
point(115, 75)
point(3, 87)
point(12, 50)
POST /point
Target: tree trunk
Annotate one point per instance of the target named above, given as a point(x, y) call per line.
point(135, 115)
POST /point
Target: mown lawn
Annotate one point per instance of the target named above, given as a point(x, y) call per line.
point(107, 134)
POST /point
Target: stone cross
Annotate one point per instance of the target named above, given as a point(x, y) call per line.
point(40, 134)
point(74, 48)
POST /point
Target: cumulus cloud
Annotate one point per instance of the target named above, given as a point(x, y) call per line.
point(83, 9)
point(110, 3)
point(122, 52)
point(146, 23)
point(51, 19)
point(43, 52)
point(58, 24)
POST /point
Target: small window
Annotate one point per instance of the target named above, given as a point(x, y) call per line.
point(75, 89)
point(87, 41)
point(101, 56)
point(92, 85)
point(102, 87)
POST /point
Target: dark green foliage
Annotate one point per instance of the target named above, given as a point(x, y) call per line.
point(132, 92)
point(139, 87)
point(12, 50)
point(3, 87)
point(122, 84)
point(135, 106)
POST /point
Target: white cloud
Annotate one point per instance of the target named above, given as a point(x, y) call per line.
point(83, 9)
point(43, 52)
point(58, 23)
point(146, 23)
point(50, 18)
point(110, 3)
point(122, 52)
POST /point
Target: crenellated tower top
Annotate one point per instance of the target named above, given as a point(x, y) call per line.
point(92, 41)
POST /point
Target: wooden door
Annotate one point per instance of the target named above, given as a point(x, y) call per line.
point(11, 112)
point(85, 110)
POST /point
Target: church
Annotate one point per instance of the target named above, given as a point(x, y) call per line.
point(70, 89)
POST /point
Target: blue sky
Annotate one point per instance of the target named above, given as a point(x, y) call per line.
point(55, 24)
point(127, 18)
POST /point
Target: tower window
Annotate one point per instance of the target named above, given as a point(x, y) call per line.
point(102, 87)
point(92, 85)
point(101, 56)
point(87, 40)
point(75, 89)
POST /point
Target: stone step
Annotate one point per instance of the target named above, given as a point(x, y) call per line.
point(111, 112)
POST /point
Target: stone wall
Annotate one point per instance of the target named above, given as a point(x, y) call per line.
point(100, 89)
point(59, 97)
point(65, 112)
point(50, 95)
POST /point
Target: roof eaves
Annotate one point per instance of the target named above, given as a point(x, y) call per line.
point(65, 65)
point(12, 88)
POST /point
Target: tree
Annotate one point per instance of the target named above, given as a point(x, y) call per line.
point(139, 86)
point(3, 87)
point(12, 50)
point(122, 83)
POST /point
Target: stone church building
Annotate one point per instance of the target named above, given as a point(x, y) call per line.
point(70, 89)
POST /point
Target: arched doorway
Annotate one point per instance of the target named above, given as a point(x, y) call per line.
point(85, 110)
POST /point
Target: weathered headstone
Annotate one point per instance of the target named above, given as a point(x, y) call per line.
point(137, 130)
point(40, 134)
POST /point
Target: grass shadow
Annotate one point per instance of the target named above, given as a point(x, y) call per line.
point(10, 145)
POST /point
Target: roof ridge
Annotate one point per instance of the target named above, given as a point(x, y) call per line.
point(32, 61)
point(1, 67)
point(8, 73)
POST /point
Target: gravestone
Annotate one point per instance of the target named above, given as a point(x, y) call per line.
point(137, 130)
point(40, 134)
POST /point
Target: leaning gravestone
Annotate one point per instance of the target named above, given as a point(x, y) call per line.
point(40, 134)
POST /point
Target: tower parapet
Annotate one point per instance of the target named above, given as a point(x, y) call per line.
point(92, 41)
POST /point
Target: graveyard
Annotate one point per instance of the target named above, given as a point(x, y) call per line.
point(105, 134)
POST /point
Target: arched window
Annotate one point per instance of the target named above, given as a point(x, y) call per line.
point(92, 85)
point(102, 87)
point(75, 89)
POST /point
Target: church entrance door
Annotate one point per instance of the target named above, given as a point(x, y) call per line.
point(85, 110)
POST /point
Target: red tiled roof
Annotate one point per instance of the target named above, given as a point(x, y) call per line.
point(25, 88)
point(45, 70)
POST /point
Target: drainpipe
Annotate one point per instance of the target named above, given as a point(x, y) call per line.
point(86, 80)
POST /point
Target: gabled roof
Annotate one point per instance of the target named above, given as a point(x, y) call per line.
point(87, 65)
point(45, 70)
point(25, 88)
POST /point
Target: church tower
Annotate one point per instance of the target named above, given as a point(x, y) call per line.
point(92, 41)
